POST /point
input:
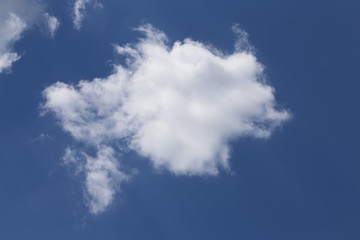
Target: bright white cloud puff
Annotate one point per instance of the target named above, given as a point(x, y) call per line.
point(177, 105)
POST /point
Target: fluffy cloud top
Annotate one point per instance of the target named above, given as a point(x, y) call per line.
point(177, 105)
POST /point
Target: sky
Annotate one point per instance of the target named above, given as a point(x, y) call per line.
point(154, 119)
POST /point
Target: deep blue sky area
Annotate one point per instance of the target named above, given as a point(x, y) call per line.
point(301, 183)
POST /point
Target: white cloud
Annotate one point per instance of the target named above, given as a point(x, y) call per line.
point(52, 23)
point(79, 10)
point(7, 59)
point(16, 16)
point(102, 176)
point(10, 31)
point(177, 105)
point(242, 44)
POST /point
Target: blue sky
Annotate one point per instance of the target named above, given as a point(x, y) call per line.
point(248, 130)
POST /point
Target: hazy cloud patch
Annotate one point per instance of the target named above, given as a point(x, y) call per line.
point(52, 24)
point(79, 11)
point(16, 16)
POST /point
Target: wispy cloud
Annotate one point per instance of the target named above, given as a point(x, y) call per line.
point(79, 11)
point(102, 176)
point(52, 24)
point(177, 105)
point(10, 31)
point(16, 16)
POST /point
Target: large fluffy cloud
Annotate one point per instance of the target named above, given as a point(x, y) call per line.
point(15, 17)
point(177, 105)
